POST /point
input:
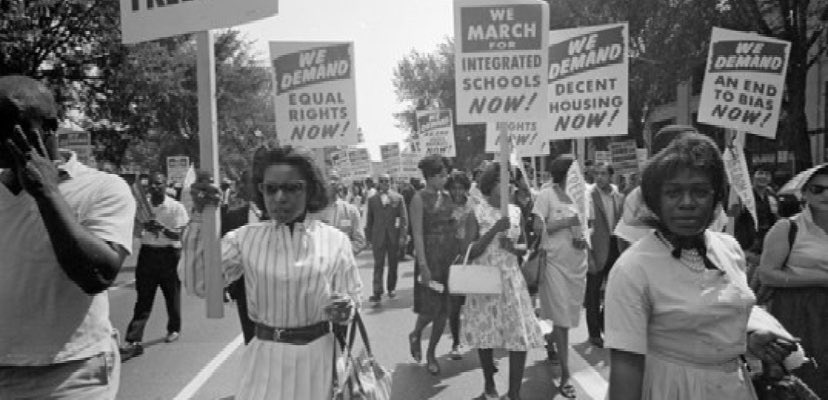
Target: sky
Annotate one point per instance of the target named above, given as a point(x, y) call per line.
point(383, 32)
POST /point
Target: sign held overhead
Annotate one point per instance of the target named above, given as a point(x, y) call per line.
point(143, 20)
point(315, 93)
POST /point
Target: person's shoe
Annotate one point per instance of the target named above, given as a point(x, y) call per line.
point(392, 294)
point(131, 350)
point(597, 341)
point(375, 299)
point(172, 337)
point(455, 354)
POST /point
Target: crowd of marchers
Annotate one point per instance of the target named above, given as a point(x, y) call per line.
point(685, 309)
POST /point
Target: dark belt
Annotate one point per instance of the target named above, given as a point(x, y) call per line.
point(301, 335)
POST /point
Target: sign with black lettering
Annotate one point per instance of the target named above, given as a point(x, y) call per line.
point(528, 138)
point(435, 132)
point(143, 20)
point(744, 81)
point(588, 81)
point(501, 60)
point(314, 93)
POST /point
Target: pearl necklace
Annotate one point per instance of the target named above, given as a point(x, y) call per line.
point(690, 258)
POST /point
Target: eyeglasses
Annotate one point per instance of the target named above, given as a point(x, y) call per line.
point(816, 189)
point(292, 188)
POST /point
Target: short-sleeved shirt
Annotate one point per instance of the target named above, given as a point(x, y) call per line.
point(173, 216)
point(656, 305)
point(45, 317)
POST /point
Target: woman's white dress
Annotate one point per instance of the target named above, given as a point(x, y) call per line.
point(289, 277)
point(691, 325)
point(563, 281)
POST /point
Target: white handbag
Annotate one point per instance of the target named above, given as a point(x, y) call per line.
point(468, 278)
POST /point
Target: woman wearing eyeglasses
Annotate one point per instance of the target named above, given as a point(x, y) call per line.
point(300, 277)
point(679, 312)
point(800, 297)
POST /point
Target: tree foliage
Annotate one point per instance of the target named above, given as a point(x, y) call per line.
point(143, 96)
point(426, 80)
point(670, 38)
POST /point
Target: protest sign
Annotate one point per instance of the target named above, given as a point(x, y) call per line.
point(576, 190)
point(360, 163)
point(79, 142)
point(528, 138)
point(391, 162)
point(315, 93)
point(743, 82)
point(410, 169)
point(341, 164)
point(501, 60)
point(739, 178)
point(177, 167)
point(153, 19)
point(624, 157)
point(588, 81)
point(435, 130)
point(603, 156)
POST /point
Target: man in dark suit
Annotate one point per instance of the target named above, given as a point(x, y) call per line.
point(607, 206)
point(385, 228)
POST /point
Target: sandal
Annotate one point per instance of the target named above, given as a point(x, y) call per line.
point(414, 347)
point(487, 396)
point(567, 390)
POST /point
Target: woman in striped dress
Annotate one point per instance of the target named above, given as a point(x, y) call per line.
point(300, 277)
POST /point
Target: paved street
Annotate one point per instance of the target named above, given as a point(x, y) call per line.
point(203, 364)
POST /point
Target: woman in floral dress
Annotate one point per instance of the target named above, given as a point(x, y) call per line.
point(505, 321)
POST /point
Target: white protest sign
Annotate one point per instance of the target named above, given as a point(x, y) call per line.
point(79, 142)
point(528, 138)
point(410, 162)
point(743, 82)
point(314, 93)
point(391, 161)
point(177, 167)
point(341, 164)
point(360, 163)
point(576, 190)
point(435, 130)
point(588, 81)
point(143, 20)
point(739, 177)
point(501, 60)
point(624, 157)
point(603, 156)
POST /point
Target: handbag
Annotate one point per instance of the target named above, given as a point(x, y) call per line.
point(361, 376)
point(781, 385)
point(468, 278)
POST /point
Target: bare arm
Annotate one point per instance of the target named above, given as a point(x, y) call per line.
point(775, 252)
point(357, 236)
point(626, 375)
point(417, 230)
point(92, 263)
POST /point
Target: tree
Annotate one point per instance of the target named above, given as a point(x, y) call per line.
point(426, 80)
point(669, 38)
